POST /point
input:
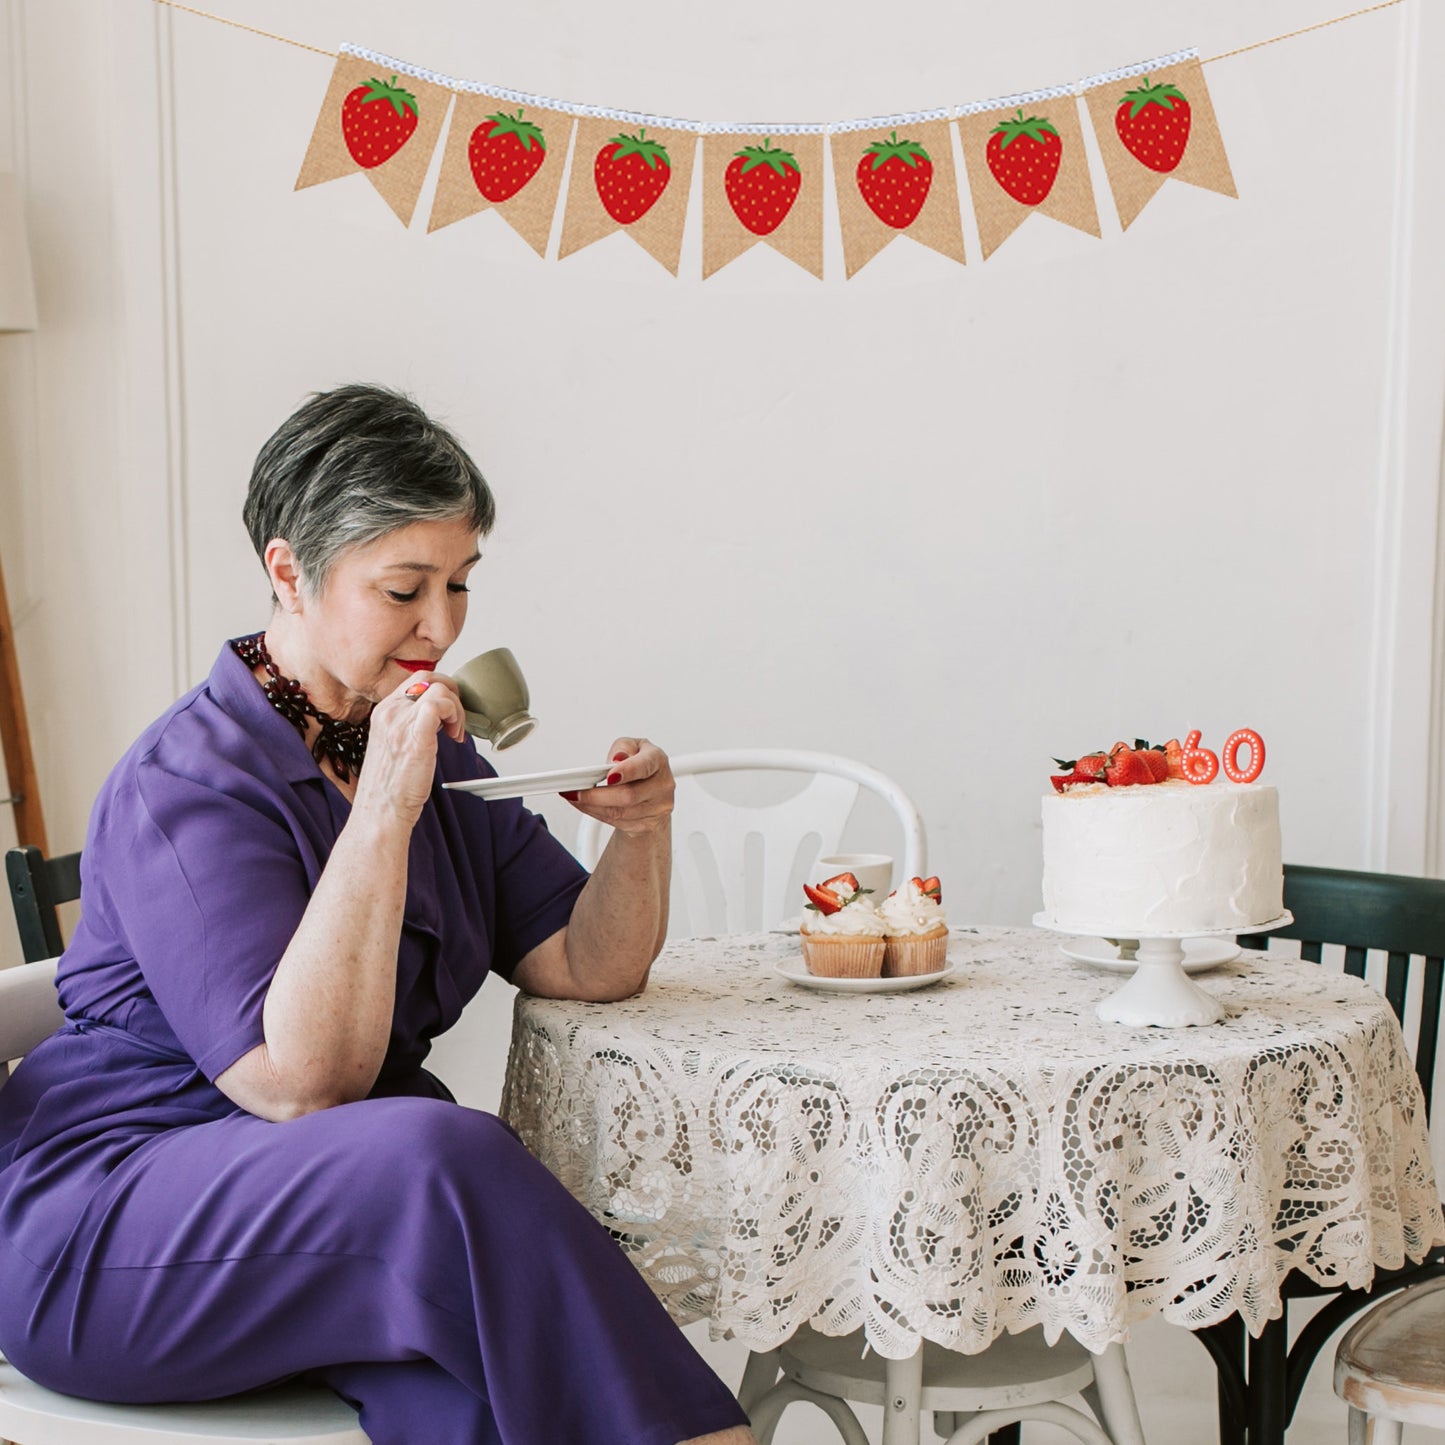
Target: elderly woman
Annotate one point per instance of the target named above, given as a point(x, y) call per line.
point(230, 1166)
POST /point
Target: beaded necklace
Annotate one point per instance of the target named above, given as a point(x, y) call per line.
point(341, 743)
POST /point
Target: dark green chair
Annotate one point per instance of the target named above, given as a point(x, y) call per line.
point(38, 885)
point(1260, 1380)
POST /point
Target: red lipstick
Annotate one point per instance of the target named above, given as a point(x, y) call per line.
point(415, 666)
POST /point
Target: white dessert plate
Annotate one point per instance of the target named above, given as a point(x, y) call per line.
point(796, 971)
point(521, 785)
point(1199, 953)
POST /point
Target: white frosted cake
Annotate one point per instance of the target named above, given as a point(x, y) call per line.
point(1171, 858)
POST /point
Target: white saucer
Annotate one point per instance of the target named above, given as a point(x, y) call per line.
point(563, 780)
point(1199, 953)
point(796, 971)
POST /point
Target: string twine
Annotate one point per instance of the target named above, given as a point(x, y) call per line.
point(254, 29)
point(1303, 30)
point(1207, 60)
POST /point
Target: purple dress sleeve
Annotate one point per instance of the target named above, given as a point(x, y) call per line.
point(534, 880)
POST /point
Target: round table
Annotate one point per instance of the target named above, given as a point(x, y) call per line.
point(980, 1155)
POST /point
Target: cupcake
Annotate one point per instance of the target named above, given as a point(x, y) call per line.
point(916, 930)
point(842, 933)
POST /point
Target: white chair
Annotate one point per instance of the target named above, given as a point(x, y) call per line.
point(1390, 1366)
point(740, 867)
point(1019, 1377)
point(31, 1415)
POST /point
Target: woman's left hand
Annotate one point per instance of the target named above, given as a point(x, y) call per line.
point(637, 797)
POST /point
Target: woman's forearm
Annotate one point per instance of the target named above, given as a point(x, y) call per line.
point(620, 921)
point(327, 1015)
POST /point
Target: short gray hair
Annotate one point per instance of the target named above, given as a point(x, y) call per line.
point(349, 466)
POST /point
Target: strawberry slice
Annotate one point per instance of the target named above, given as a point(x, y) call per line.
point(1174, 758)
point(822, 898)
point(1089, 767)
point(1157, 763)
point(1087, 770)
point(841, 883)
point(1127, 769)
point(930, 888)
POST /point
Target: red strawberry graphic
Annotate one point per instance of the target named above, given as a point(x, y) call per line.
point(894, 176)
point(631, 173)
point(1153, 123)
point(1024, 157)
point(505, 152)
point(377, 119)
point(762, 184)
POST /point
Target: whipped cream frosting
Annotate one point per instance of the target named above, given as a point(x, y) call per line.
point(858, 919)
point(910, 910)
point(1165, 858)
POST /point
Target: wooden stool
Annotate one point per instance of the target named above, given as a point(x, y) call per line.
point(1390, 1367)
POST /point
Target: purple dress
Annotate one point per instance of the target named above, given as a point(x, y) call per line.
point(159, 1243)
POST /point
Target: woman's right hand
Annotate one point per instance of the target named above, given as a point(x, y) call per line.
point(402, 747)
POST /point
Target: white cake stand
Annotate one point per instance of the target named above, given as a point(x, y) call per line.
point(1159, 994)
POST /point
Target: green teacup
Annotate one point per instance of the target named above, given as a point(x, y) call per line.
point(494, 694)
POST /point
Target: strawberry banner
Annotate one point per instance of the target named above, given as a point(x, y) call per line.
point(1153, 122)
point(895, 178)
point(509, 151)
point(506, 155)
point(761, 188)
point(632, 178)
point(375, 122)
point(1023, 155)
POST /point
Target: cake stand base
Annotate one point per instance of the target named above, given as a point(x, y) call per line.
point(1159, 994)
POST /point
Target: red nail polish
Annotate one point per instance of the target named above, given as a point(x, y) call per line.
point(570, 797)
point(613, 778)
point(619, 757)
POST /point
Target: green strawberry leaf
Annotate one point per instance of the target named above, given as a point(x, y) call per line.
point(768, 155)
point(524, 130)
point(651, 151)
point(401, 100)
point(1035, 127)
point(894, 149)
point(1147, 94)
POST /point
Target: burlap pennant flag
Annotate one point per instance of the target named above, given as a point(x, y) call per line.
point(506, 155)
point(378, 122)
point(896, 180)
point(632, 178)
point(1024, 155)
point(760, 189)
point(1155, 122)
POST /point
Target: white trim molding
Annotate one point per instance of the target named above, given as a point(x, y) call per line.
point(1403, 735)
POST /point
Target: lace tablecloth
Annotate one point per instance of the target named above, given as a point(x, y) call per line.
point(981, 1155)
